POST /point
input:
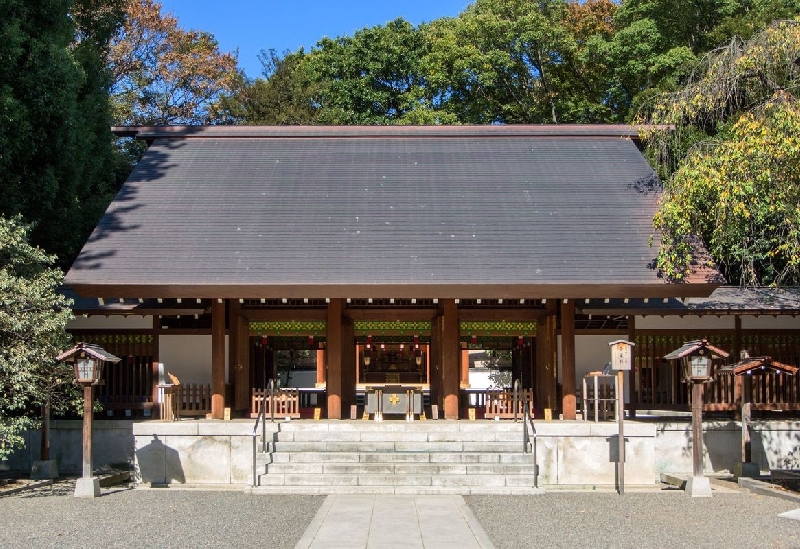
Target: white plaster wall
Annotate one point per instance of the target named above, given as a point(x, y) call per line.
point(188, 357)
point(763, 322)
point(111, 322)
point(591, 354)
point(674, 322)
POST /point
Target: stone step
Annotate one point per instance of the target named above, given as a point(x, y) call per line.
point(443, 480)
point(448, 426)
point(398, 436)
point(398, 468)
point(395, 446)
point(393, 457)
point(396, 490)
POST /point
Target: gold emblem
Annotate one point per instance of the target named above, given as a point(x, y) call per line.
point(394, 399)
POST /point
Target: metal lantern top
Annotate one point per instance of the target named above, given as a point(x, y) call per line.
point(697, 356)
point(88, 360)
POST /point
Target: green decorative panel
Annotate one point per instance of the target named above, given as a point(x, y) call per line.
point(314, 327)
point(369, 327)
point(498, 328)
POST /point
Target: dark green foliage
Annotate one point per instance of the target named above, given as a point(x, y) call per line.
point(33, 317)
point(57, 166)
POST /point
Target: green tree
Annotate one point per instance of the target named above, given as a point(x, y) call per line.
point(517, 61)
point(283, 96)
point(33, 316)
point(57, 165)
point(737, 189)
point(369, 78)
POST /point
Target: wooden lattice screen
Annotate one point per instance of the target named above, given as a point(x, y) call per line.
point(128, 384)
point(659, 382)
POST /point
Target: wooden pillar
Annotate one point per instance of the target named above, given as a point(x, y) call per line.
point(320, 367)
point(464, 367)
point(527, 364)
point(546, 359)
point(217, 359)
point(348, 366)
point(154, 364)
point(238, 356)
point(568, 386)
point(451, 354)
point(737, 353)
point(334, 353)
point(632, 387)
point(435, 364)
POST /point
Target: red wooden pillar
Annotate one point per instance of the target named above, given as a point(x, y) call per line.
point(321, 367)
point(217, 359)
point(451, 355)
point(334, 351)
point(464, 367)
point(568, 387)
point(239, 355)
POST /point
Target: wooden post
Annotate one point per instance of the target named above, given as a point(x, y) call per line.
point(464, 367)
point(632, 372)
point(737, 351)
point(246, 373)
point(87, 430)
point(697, 428)
point(334, 356)
point(320, 367)
point(217, 359)
point(451, 353)
point(621, 422)
point(155, 360)
point(568, 407)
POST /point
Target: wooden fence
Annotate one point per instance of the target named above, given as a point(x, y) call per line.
point(127, 385)
point(659, 383)
point(286, 403)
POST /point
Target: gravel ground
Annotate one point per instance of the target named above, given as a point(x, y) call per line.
point(52, 517)
point(668, 518)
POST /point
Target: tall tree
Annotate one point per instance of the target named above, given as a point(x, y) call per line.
point(369, 78)
point(283, 96)
point(57, 164)
point(33, 317)
point(738, 187)
point(163, 74)
point(517, 61)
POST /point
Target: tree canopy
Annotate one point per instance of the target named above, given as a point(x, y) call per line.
point(738, 187)
point(163, 74)
point(33, 317)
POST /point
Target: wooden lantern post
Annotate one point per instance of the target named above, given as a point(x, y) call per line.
point(696, 358)
point(88, 364)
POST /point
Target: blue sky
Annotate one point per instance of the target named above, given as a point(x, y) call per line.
point(253, 25)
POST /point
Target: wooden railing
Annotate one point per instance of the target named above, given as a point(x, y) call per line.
point(285, 403)
point(194, 399)
point(500, 404)
point(660, 385)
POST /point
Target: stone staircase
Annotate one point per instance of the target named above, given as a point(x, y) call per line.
point(395, 457)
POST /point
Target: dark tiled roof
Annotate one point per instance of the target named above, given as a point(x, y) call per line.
point(285, 212)
point(727, 300)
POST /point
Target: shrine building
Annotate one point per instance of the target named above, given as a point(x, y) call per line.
point(375, 256)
